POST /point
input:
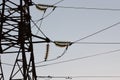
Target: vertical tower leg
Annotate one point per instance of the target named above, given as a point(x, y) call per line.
point(1, 71)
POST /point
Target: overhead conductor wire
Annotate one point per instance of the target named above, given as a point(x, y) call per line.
point(90, 34)
point(87, 37)
point(75, 59)
point(97, 32)
point(51, 11)
point(98, 43)
point(77, 41)
point(58, 2)
point(88, 8)
point(72, 8)
point(45, 35)
point(40, 22)
point(63, 53)
point(43, 16)
point(79, 58)
point(35, 24)
point(84, 8)
point(72, 77)
point(42, 8)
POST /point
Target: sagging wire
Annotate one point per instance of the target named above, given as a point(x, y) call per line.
point(63, 44)
point(71, 77)
point(8, 64)
point(45, 16)
point(60, 44)
point(44, 8)
point(89, 8)
point(104, 29)
point(58, 2)
point(46, 60)
point(41, 8)
point(63, 53)
point(102, 43)
point(80, 58)
point(70, 60)
point(85, 8)
point(51, 77)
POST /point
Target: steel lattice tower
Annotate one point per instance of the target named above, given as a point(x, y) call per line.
point(16, 37)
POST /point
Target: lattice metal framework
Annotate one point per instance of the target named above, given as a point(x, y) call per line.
point(16, 37)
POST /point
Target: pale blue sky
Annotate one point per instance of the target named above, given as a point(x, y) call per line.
point(72, 24)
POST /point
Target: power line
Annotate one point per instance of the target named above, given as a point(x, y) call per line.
point(78, 8)
point(97, 32)
point(58, 2)
point(90, 34)
point(66, 51)
point(7, 64)
point(71, 77)
point(70, 60)
point(41, 21)
point(45, 16)
point(58, 57)
point(63, 53)
point(88, 8)
point(96, 77)
point(51, 11)
point(103, 43)
point(65, 44)
point(84, 57)
point(84, 8)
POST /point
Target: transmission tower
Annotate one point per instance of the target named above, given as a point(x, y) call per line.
point(16, 37)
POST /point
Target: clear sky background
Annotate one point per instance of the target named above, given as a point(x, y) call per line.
point(69, 24)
